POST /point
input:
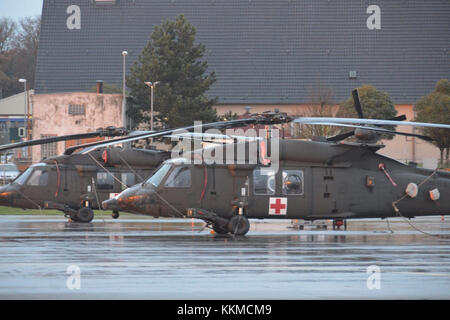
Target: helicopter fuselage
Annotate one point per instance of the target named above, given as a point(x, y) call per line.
point(314, 180)
point(71, 182)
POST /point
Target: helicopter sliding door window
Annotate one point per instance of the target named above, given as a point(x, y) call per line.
point(292, 182)
point(38, 178)
point(263, 182)
point(127, 179)
point(105, 181)
point(179, 178)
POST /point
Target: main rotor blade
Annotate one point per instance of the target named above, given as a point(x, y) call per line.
point(345, 135)
point(211, 136)
point(398, 118)
point(341, 136)
point(316, 120)
point(220, 124)
point(426, 138)
point(358, 107)
point(108, 132)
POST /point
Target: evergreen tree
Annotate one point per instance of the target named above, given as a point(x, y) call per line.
point(172, 58)
point(375, 104)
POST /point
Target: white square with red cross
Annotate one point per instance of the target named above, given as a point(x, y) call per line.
point(278, 206)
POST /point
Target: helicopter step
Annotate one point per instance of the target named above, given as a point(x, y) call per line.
point(338, 223)
point(307, 224)
point(237, 225)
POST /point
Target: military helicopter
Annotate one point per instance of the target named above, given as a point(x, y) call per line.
point(76, 184)
point(327, 179)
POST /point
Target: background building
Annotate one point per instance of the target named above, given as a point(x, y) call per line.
point(69, 113)
point(13, 115)
point(266, 54)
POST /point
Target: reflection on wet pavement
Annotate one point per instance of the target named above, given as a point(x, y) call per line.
point(170, 259)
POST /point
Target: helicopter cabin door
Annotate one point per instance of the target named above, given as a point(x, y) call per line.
point(39, 183)
point(178, 188)
point(329, 188)
point(279, 194)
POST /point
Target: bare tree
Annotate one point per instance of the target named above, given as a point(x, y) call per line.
point(320, 105)
point(18, 53)
point(27, 42)
point(7, 34)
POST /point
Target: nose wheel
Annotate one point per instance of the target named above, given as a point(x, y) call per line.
point(115, 214)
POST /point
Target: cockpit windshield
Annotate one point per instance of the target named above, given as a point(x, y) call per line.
point(159, 175)
point(38, 178)
point(39, 175)
point(23, 177)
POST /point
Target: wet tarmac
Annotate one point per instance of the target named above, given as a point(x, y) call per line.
point(139, 258)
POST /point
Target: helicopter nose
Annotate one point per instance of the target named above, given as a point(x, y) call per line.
point(6, 196)
point(122, 202)
point(111, 204)
point(133, 199)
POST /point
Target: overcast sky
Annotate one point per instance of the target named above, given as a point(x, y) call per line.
point(16, 9)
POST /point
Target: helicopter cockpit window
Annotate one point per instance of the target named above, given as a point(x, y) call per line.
point(292, 182)
point(157, 177)
point(38, 178)
point(263, 182)
point(179, 178)
point(105, 181)
point(23, 177)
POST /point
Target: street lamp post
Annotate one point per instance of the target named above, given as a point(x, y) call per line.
point(24, 81)
point(25, 116)
point(124, 115)
point(151, 85)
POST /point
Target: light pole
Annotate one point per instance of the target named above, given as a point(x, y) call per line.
point(151, 85)
point(25, 120)
point(25, 117)
point(124, 115)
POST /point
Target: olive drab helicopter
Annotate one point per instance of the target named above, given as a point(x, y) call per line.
point(292, 179)
point(76, 184)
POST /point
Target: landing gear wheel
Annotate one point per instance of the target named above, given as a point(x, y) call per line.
point(238, 225)
point(115, 214)
point(219, 230)
point(73, 216)
point(85, 215)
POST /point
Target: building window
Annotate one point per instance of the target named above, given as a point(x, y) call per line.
point(49, 149)
point(77, 109)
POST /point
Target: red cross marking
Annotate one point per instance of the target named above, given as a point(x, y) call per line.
point(278, 206)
